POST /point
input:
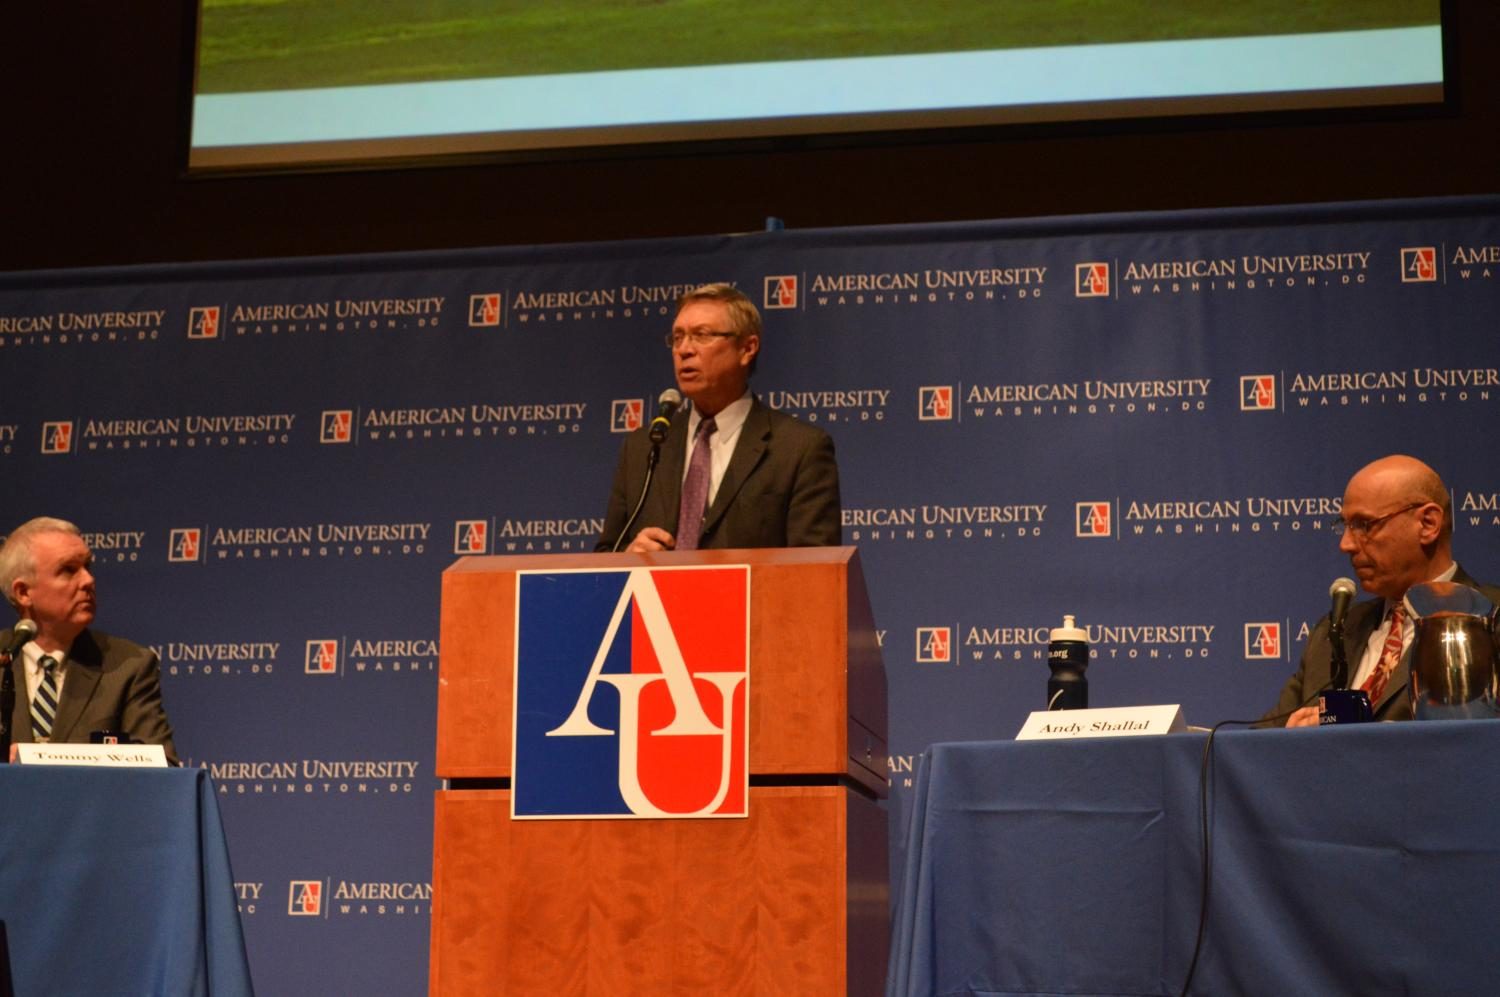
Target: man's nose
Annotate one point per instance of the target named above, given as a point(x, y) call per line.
point(1346, 542)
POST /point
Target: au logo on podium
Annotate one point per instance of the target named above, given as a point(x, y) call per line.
point(632, 693)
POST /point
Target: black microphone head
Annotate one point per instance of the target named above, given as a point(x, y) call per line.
point(666, 407)
point(24, 630)
point(1341, 586)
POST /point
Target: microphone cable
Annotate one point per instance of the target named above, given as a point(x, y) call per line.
point(645, 490)
point(1205, 836)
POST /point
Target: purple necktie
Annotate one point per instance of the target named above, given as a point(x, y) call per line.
point(695, 490)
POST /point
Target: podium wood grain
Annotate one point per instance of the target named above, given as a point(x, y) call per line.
point(792, 900)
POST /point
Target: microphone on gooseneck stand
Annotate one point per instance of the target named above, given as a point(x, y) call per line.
point(24, 631)
point(1339, 704)
point(667, 404)
point(1341, 592)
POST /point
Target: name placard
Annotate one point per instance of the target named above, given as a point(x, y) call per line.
point(97, 755)
point(1111, 721)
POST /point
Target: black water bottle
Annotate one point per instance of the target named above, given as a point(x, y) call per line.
point(1068, 656)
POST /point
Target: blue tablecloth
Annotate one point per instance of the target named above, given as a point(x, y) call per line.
point(1354, 860)
point(117, 881)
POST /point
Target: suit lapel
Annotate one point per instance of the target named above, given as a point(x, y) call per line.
point(667, 487)
point(755, 435)
point(1362, 621)
point(83, 678)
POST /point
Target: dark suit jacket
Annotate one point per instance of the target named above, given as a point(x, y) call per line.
point(781, 488)
point(112, 684)
point(1315, 671)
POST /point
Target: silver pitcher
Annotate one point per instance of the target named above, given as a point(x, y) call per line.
point(1453, 674)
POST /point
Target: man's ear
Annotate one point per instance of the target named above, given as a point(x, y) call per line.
point(20, 593)
point(1431, 517)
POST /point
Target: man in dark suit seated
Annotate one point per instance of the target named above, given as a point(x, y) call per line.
point(69, 680)
point(732, 472)
point(1397, 529)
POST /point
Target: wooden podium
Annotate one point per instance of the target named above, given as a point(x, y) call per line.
point(791, 900)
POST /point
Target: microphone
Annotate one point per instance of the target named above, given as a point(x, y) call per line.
point(23, 632)
point(1341, 592)
point(667, 404)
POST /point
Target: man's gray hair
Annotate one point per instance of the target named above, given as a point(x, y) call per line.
point(15, 554)
point(743, 314)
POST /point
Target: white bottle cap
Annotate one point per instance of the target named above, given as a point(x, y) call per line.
point(1068, 631)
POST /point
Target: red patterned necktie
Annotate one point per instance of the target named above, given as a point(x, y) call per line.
point(695, 489)
point(1390, 655)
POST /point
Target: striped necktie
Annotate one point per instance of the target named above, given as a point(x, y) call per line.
point(44, 703)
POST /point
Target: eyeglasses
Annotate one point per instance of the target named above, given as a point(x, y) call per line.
point(1361, 528)
point(699, 338)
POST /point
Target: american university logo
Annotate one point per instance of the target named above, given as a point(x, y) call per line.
point(484, 309)
point(322, 657)
point(1418, 264)
point(935, 402)
point(471, 536)
point(203, 323)
point(934, 645)
point(185, 544)
point(336, 426)
point(1257, 393)
point(1263, 641)
point(57, 437)
point(781, 292)
point(305, 898)
point(632, 693)
point(1093, 519)
point(626, 414)
point(1091, 280)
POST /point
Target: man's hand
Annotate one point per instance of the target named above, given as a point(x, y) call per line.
point(651, 539)
point(1305, 717)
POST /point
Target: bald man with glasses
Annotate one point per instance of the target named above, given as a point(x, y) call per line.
point(1397, 529)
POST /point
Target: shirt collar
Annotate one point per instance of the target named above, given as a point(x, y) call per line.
point(32, 653)
point(1446, 576)
point(729, 419)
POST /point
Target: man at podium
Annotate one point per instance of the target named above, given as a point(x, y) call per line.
point(68, 681)
point(732, 472)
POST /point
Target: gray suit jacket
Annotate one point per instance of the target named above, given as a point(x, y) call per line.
point(112, 684)
point(1315, 671)
point(781, 488)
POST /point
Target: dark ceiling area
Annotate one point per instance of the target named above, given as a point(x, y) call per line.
point(94, 166)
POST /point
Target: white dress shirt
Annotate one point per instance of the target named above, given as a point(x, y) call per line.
point(727, 426)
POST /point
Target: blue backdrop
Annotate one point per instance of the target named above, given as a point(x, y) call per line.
point(1145, 420)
